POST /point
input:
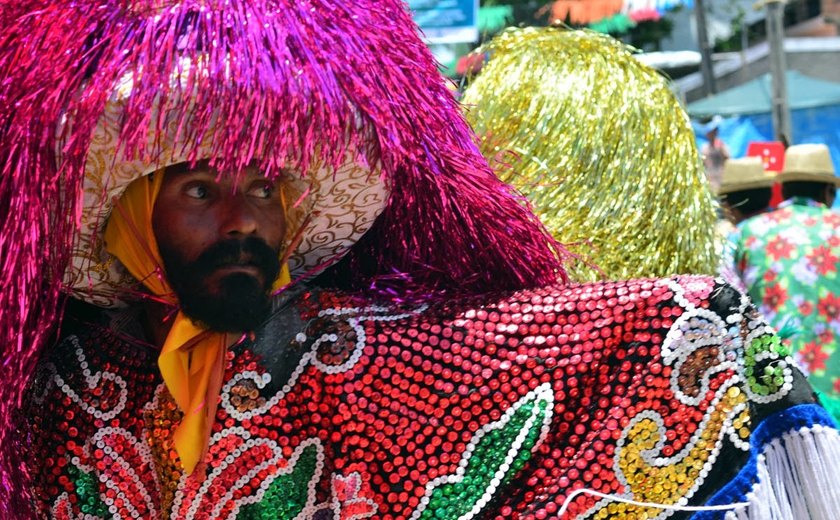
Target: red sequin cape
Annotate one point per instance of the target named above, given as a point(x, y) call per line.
point(495, 406)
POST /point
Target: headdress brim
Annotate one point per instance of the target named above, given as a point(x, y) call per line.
point(336, 205)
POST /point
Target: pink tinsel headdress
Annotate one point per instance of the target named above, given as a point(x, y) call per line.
point(299, 75)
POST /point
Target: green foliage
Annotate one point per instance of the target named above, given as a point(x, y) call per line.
point(648, 35)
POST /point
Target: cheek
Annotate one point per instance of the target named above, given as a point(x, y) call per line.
point(275, 228)
point(187, 234)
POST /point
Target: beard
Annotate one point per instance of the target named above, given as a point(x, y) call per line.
point(236, 302)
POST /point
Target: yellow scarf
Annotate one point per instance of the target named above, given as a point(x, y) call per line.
point(192, 360)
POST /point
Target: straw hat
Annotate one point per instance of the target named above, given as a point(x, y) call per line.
point(809, 162)
point(746, 173)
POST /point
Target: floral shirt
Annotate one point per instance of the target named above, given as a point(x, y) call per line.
point(788, 260)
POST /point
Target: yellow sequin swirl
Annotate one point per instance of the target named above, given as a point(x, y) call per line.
point(601, 146)
point(667, 483)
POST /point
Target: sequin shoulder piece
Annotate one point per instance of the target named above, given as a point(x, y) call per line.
point(590, 401)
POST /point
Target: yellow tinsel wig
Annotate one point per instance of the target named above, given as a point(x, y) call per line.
point(601, 146)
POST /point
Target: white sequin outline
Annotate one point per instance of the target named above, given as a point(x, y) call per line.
point(249, 442)
point(678, 457)
point(145, 453)
point(334, 505)
point(543, 392)
point(356, 319)
point(92, 380)
point(677, 356)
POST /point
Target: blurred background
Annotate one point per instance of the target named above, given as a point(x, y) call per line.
point(752, 72)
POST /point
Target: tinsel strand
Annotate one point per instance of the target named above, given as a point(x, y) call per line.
point(601, 146)
point(291, 79)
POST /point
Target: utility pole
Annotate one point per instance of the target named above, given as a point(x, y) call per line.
point(778, 67)
point(705, 49)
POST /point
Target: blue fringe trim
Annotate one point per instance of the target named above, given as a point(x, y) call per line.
point(772, 427)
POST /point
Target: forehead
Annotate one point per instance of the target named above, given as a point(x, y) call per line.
point(204, 168)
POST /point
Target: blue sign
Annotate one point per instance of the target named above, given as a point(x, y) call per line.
point(446, 21)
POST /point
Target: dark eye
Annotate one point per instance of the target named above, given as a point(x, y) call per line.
point(197, 191)
point(263, 190)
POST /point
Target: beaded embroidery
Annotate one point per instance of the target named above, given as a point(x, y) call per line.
point(627, 388)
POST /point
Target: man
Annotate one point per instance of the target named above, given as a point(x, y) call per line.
point(744, 193)
point(745, 189)
point(220, 154)
point(788, 259)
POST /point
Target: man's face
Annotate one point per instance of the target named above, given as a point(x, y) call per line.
point(220, 241)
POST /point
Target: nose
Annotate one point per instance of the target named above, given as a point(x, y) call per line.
point(239, 218)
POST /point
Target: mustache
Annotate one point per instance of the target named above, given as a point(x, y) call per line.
point(248, 251)
point(237, 302)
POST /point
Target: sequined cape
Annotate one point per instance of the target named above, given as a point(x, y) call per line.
point(488, 407)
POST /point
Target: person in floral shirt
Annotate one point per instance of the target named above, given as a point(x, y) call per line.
point(745, 190)
point(788, 262)
point(744, 193)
